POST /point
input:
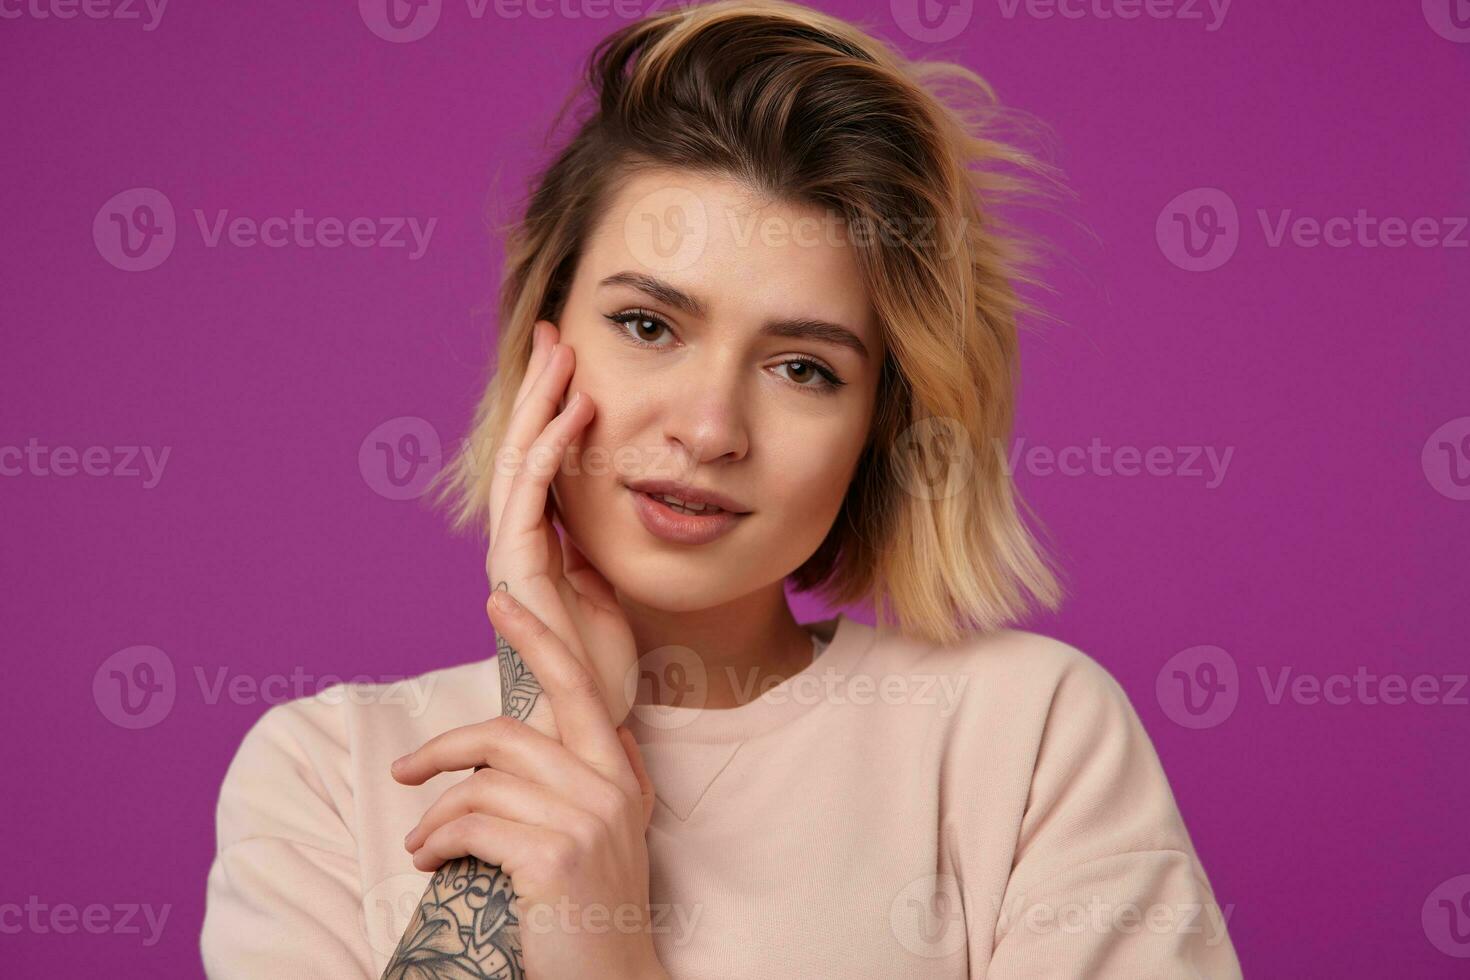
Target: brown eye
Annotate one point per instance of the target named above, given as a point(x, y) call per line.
point(645, 327)
point(802, 370)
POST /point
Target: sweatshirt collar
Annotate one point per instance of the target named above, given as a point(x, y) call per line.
point(849, 642)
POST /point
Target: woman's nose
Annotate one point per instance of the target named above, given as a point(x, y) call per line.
point(706, 418)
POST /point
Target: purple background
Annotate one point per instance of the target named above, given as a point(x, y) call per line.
point(1335, 542)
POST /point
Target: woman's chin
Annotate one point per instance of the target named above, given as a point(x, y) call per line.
point(681, 600)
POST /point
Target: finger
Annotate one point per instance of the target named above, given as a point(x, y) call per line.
point(517, 849)
point(584, 576)
point(543, 336)
point(528, 419)
point(576, 696)
point(526, 500)
point(507, 744)
point(645, 782)
point(525, 503)
point(500, 794)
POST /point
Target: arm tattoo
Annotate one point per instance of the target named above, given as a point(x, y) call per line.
point(464, 928)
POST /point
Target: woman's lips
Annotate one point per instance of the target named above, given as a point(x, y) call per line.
point(662, 521)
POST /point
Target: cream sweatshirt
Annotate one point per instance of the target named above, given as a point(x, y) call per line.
point(993, 808)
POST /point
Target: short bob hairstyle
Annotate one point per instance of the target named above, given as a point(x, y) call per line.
point(804, 107)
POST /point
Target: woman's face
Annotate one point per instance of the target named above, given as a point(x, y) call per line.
point(719, 377)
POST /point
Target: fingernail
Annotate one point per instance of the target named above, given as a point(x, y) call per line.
point(398, 763)
point(573, 403)
point(504, 601)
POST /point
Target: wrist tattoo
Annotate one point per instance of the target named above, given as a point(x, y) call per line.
point(464, 926)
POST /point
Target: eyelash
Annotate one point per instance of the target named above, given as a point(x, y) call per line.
point(620, 322)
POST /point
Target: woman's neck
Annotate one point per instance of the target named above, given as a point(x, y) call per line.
point(746, 647)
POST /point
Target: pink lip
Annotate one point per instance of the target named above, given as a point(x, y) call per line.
point(689, 494)
point(662, 521)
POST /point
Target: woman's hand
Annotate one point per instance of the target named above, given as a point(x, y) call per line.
point(565, 820)
point(546, 571)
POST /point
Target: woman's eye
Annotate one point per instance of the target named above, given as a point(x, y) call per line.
point(644, 326)
point(803, 371)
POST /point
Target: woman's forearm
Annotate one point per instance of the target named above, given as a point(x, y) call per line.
point(464, 925)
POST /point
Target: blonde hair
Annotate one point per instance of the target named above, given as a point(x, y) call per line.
point(808, 108)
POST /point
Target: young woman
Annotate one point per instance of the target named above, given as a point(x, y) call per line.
point(758, 327)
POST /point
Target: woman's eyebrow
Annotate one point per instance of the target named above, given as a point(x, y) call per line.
point(795, 327)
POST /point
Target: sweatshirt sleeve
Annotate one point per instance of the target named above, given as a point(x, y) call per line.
point(283, 894)
point(1105, 881)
